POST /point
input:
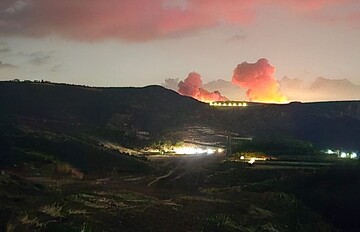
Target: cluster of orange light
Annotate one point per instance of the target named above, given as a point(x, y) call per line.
point(233, 104)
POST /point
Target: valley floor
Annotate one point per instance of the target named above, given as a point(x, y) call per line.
point(206, 193)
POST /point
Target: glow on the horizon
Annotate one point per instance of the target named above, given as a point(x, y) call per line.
point(188, 150)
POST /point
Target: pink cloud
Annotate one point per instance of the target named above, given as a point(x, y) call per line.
point(259, 81)
point(308, 5)
point(192, 87)
point(132, 20)
point(354, 19)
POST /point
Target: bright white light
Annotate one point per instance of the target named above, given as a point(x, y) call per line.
point(343, 155)
point(242, 157)
point(185, 150)
point(220, 150)
point(330, 152)
point(251, 161)
point(353, 155)
point(240, 104)
point(193, 151)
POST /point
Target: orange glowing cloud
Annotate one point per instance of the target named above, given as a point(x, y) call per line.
point(191, 87)
point(258, 79)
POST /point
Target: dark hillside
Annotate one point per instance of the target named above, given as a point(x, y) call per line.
point(150, 108)
point(120, 112)
point(326, 124)
point(70, 160)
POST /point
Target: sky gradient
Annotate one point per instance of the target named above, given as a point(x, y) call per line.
point(137, 43)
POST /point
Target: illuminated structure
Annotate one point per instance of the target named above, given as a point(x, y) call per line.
point(228, 104)
point(342, 154)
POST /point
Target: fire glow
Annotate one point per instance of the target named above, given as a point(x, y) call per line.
point(191, 87)
point(256, 78)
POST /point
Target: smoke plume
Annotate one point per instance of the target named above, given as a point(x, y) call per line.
point(171, 83)
point(191, 87)
point(259, 81)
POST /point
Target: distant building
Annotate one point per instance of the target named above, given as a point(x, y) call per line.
point(229, 104)
point(145, 135)
point(342, 154)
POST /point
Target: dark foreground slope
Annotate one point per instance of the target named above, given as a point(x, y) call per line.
point(58, 175)
point(68, 123)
